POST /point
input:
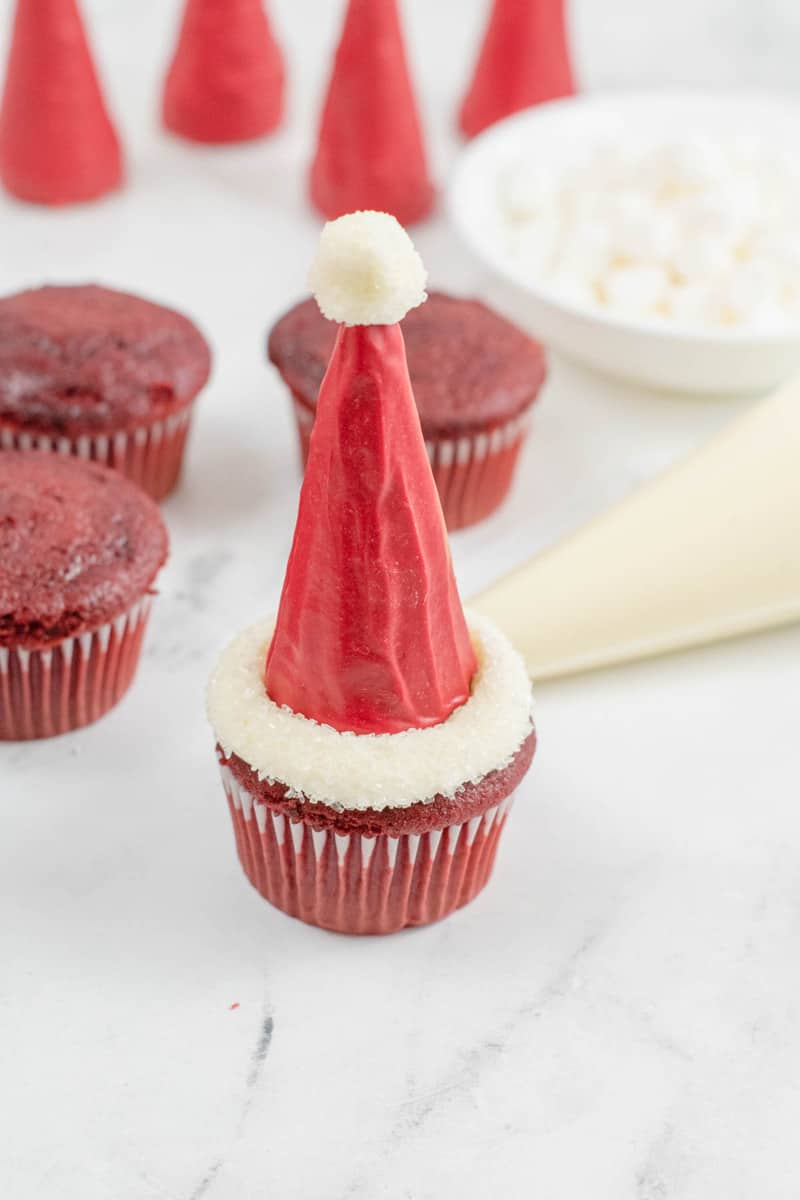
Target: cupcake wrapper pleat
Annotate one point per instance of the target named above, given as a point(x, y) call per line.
point(44, 692)
point(150, 455)
point(357, 884)
point(473, 473)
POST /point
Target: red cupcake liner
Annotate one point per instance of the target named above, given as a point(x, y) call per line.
point(44, 692)
point(473, 472)
point(150, 455)
point(351, 883)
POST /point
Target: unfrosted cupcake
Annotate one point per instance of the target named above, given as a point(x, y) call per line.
point(80, 548)
point(100, 375)
point(371, 737)
point(475, 378)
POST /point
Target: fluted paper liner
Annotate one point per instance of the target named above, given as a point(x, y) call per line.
point(150, 455)
point(57, 688)
point(709, 550)
point(356, 884)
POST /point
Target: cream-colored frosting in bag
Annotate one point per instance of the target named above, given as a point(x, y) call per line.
point(708, 550)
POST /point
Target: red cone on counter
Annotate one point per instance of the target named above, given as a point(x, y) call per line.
point(226, 79)
point(371, 152)
point(370, 634)
point(524, 60)
point(57, 142)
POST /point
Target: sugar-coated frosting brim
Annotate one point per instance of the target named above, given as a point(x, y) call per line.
point(375, 771)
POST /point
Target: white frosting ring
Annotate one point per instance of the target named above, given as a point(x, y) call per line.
point(373, 770)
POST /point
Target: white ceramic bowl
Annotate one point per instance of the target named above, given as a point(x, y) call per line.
point(666, 357)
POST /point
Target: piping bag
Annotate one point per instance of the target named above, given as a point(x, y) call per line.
point(708, 550)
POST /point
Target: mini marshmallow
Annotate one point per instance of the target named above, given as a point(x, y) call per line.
point(534, 245)
point(689, 165)
point(646, 235)
point(530, 192)
point(663, 231)
point(588, 250)
point(724, 215)
point(635, 289)
point(698, 257)
point(689, 304)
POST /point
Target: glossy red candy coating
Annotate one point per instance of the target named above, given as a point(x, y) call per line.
point(370, 635)
point(57, 142)
point(226, 79)
point(524, 60)
point(370, 150)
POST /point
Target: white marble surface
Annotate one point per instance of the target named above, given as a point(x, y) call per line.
point(617, 1017)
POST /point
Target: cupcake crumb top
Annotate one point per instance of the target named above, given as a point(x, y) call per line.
point(470, 368)
point(90, 360)
point(78, 546)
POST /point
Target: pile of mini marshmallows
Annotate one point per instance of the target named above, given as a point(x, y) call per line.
point(694, 233)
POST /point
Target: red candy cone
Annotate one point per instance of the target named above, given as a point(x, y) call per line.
point(57, 142)
point(370, 153)
point(225, 82)
point(370, 635)
point(524, 61)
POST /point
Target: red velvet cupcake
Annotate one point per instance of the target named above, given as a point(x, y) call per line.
point(80, 548)
point(101, 375)
point(371, 737)
point(475, 377)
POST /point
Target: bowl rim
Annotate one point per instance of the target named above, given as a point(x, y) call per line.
point(484, 146)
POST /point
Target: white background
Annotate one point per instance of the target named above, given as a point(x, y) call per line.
point(617, 1017)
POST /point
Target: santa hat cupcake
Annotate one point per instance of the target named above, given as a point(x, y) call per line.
point(371, 736)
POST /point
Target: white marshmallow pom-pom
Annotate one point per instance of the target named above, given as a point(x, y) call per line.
point(366, 271)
